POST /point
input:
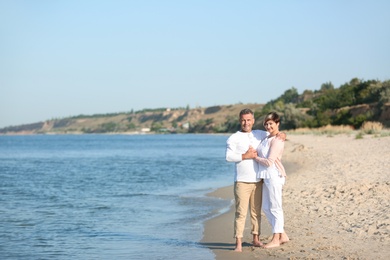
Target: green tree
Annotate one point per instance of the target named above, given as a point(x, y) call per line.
point(293, 118)
point(232, 124)
point(290, 96)
point(327, 100)
point(131, 126)
point(156, 126)
point(327, 86)
point(384, 94)
point(108, 127)
point(346, 96)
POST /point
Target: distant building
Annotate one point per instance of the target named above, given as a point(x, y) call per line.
point(186, 125)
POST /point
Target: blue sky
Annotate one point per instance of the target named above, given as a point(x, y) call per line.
point(70, 57)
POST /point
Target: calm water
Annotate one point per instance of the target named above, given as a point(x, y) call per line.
point(109, 196)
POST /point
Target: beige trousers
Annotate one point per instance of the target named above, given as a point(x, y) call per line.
point(247, 194)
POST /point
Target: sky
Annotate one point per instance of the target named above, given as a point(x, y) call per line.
point(61, 58)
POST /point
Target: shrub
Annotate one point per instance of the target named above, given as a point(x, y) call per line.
point(369, 127)
point(359, 136)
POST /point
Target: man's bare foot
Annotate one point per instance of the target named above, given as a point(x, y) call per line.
point(256, 241)
point(257, 244)
point(272, 244)
point(238, 248)
point(238, 245)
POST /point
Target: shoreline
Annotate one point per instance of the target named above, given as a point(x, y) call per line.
point(335, 202)
point(218, 231)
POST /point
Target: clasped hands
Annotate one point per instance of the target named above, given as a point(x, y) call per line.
point(250, 154)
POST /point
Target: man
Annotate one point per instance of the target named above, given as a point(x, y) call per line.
point(241, 149)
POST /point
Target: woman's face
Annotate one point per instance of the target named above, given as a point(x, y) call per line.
point(271, 127)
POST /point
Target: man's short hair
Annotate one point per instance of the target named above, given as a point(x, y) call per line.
point(245, 112)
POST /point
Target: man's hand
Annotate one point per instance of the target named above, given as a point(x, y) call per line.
point(282, 136)
point(250, 154)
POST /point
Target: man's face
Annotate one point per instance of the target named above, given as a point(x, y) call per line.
point(247, 122)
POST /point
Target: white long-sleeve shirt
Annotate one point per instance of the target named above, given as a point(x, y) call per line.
point(236, 145)
point(269, 154)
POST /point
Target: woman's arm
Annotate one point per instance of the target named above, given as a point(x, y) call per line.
point(276, 148)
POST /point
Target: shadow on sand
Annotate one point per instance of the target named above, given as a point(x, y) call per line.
point(223, 246)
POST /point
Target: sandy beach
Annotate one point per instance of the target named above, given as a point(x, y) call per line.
point(336, 203)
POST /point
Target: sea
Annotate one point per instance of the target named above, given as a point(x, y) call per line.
point(110, 196)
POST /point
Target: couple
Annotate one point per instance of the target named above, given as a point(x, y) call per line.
point(257, 157)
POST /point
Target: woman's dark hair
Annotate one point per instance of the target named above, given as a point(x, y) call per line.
point(271, 116)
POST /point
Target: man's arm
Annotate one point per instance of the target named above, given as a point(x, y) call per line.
point(232, 155)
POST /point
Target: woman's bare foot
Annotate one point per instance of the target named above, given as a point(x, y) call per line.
point(284, 238)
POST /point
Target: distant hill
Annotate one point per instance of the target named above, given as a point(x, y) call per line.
point(215, 119)
point(352, 104)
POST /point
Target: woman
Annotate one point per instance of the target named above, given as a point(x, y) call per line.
point(272, 172)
